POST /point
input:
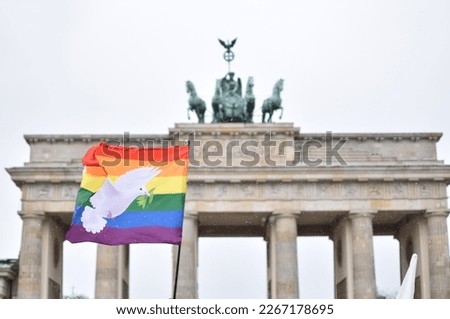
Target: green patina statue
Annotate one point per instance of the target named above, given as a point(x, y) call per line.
point(228, 105)
point(273, 103)
point(249, 100)
point(231, 99)
point(196, 104)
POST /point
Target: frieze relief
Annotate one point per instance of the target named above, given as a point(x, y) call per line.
point(350, 190)
point(274, 190)
point(312, 190)
point(195, 191)
point(221, 191)
point(373, 190)
point(424, 189)
point(398, 190)
point(42, 191)
point(248, 190)
point(296, 190)
point(49, 191)
point(69, 191)
point(324, 190)
point(269, 190)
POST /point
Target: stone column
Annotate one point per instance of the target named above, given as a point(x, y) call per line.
point(53, 233)
point(5, 288)
point(111, 280)
point(343, 258)
point(363, 257)
point(438, 251)
point(412, 234)
point(187, 286)
point(282, 257)
point(30, 260)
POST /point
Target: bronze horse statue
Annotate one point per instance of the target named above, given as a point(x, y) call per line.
point(273, 103)
point(249, 100)
point(195, 103)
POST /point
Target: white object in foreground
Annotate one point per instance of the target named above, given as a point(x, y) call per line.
point(407, 288)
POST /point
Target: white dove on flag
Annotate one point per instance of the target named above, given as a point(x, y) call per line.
point(112, 199)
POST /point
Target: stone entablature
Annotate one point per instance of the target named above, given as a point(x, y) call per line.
point(402, 169)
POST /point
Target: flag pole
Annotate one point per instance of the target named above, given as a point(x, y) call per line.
point(177, 267)
point(176, 272)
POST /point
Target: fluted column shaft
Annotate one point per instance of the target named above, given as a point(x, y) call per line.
point(30, 262)
point(187, 286)
point(363, 256)
point(111, 274)
point(438, 252)
point(282, 256)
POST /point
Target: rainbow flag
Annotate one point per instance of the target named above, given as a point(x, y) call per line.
point(131, 195)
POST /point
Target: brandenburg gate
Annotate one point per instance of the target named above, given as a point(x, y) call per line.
point(267, 180)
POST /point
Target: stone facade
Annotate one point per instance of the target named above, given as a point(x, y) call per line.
point(259, 180)
point(8, 278)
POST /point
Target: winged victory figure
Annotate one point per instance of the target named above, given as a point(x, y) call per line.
point(228, 45)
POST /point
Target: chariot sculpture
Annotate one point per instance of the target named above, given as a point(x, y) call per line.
point(228, 104)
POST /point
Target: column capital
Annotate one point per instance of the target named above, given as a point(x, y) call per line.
point(33, 214)
point(436, 213)
point(284, 214)
point(191, 215)
point(366, 213)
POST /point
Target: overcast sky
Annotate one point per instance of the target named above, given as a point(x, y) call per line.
point(115, 66)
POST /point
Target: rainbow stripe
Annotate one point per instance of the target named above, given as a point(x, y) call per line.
point(159, 222)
